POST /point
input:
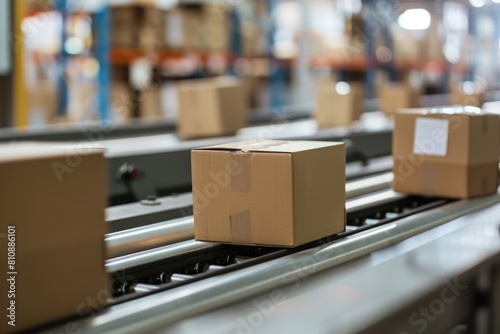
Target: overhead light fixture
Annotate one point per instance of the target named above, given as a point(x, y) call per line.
point(415, 19)
point(478, 3)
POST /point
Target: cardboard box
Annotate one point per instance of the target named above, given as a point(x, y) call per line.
point(211, 107)
point(337, 107)
point(215, 30)
point(138, 27)
point(121, 101)
point(42, 100)
point(182, 30)
point(151, 105)
point(273, 193)
point(393, 96)
point(451, 152)
point(55, 196)
point(467, 94)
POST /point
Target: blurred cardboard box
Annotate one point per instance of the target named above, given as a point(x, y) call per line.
point(273, 193)
point(54, 197)
point(138, 27)
point(183, 28)
point(42, 100)
point(121, 101)
point(468, 94)
point(151, 105)
point(451, 152)
point(215, 29)
point(81, 99)
point(339, 104)
point(211, 107)
point(395, 96)
point(407, 46)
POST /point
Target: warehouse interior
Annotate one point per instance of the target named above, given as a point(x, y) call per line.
point(250, 166)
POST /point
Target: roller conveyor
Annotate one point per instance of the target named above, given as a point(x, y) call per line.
point(128, 240)
point(153, 259)
point(165, 308)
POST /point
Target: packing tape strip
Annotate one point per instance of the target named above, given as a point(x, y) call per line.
point(241, 227)
point(242, 180)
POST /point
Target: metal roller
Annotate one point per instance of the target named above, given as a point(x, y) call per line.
point(150, 236)
point(181, 229)
point(153, 312)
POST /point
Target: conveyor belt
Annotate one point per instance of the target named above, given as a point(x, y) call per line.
point(156, 266)
point(187, 299)
point(452, 272)
point(128, 240)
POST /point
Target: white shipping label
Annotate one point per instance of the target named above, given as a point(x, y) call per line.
point(431, 137)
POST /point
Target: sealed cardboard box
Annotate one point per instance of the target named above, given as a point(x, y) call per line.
point(273, 193)
point(394, 96)
point(215, 27)
point(448, 152)
point(151, 105)
point(42, 100)
point(339, 104)
point(52, 204)
point(468, 94)
point(138, 26)
point(211, 107)
point(182, 30)
point(121, 101)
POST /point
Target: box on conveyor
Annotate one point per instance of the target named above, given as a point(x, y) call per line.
point(211, 107)
point(396, 96)
point(265, 192)
point(449, 152)
point(52, 206)
point(468, 94)
point(339, 104)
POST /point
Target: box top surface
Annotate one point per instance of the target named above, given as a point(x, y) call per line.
point(448, 110)
point(26, 151)
point(272, 146)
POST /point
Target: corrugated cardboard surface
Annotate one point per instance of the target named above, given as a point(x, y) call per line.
point(60, 228)
point(470, 167)
point(273, 193)
point(212, 107)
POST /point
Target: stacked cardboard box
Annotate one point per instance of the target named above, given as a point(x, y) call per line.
point(52, 203)
point(183, 28)
point(273, 193)
point(451, 152)
point(138, 27)
point(215, 28)
point(211, 107)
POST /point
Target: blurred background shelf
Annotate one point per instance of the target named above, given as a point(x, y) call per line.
point(76, 60)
